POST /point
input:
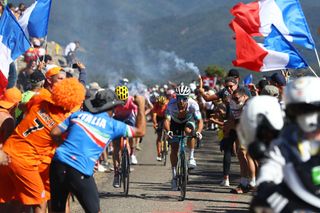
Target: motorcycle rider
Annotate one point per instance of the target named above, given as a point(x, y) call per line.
point(289, 178)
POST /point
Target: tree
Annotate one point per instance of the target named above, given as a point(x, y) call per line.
point(215, 70)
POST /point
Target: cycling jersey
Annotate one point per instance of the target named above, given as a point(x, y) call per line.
point(127, 112)
point(159, 110)
point(191, 113)
point(88, 135)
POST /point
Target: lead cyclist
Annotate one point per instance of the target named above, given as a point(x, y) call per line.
point(181, 115)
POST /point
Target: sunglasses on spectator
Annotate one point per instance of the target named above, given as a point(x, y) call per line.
point(182, 98)
point(230, 86)
point(235, 98)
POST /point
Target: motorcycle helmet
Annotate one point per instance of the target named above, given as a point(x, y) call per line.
point(260, 122)
point(302, 100)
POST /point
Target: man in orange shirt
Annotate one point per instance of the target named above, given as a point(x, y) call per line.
point(30, 146)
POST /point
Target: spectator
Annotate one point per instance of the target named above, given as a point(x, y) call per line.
point(54, 75)
point(31, 154)
point(37, 80)
point(23, 82)
point(70, 52)
point(8, 103)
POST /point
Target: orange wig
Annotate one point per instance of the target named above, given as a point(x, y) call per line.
point(68, 93)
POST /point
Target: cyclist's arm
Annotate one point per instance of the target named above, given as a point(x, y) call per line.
point(154, 119)
point(166, 124)
point(200, 125)
point(140, 128)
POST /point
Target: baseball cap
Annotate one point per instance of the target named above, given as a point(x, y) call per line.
point(53, 70)
point(36, 77)
point(10, 98)
point(233, 73)
point(279, 79)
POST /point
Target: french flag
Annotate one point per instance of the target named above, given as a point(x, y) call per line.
point(256, 19)
point(35, 19)
point(13, 43)
point(275, 54)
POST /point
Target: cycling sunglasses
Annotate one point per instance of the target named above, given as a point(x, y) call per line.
point(182, 98)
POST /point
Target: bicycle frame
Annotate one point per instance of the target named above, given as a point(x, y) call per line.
point(182, 168)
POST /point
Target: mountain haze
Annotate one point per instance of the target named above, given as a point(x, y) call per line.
point(153, 40)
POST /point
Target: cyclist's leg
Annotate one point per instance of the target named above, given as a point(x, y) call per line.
point(117, 144)
point(176, 128)
point(133, 142)
point(159, 137)
point(189, 130)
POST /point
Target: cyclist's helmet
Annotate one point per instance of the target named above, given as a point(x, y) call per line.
point(302, 100)
point(161, 100)
point(183, 90)
point(122, 92)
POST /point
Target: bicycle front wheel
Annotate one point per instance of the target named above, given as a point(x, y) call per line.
point(125, 171)
point(183, 177)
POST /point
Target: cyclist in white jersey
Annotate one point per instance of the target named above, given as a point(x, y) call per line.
point(181, 115)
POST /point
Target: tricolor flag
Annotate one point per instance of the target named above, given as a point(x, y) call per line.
point(13, 43)
point(35, 19)
point(256, 19)
point(275, 54)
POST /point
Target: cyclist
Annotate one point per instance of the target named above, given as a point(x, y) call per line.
point(88, 134)
point(158, 114)
point(294, 156)
point(181, 113)
point(126, 113)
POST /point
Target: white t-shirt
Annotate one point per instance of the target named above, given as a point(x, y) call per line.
point(71, 47)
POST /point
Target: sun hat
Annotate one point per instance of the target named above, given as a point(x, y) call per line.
point(102, 101)
point(10, 98)
point(270, 90)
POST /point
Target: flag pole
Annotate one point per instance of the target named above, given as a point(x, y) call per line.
point(313, 72)
point(316, 52)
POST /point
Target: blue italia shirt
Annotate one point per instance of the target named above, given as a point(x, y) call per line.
point(88, 135)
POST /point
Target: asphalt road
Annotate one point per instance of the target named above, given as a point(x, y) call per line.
point(150, 184)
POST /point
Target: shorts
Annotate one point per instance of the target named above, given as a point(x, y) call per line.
point(21, 184)
point(65, 179)
point(178, 128)
point(160, 122)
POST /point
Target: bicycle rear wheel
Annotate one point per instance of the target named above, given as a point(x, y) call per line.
point(125, 171)
point(164, 152)
point(183, 177)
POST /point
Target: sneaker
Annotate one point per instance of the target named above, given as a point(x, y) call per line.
point(102, 168)
point(159, 159)
point(116, 181)
point(192, 163)
point(225, 182)
point(174, 185)
point(134, 160)
point(138, 147)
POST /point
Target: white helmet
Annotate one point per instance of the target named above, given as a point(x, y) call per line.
point(261, 114)
point(183, 90)
point(302, 100)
